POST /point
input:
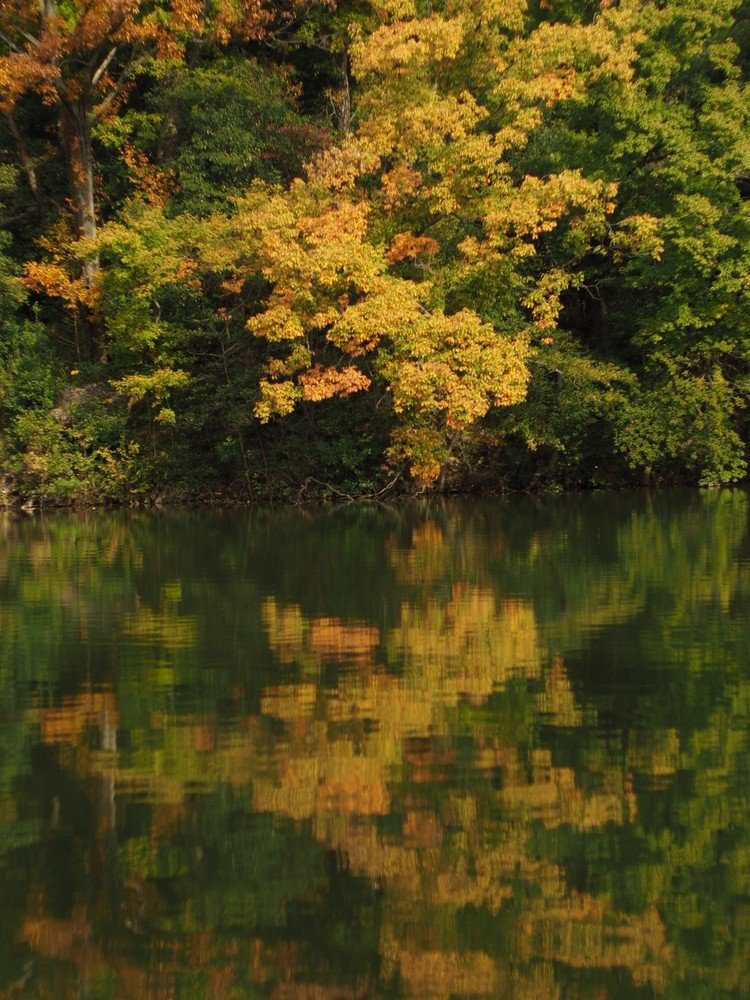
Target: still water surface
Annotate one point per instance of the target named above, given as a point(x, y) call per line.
point(458, 749)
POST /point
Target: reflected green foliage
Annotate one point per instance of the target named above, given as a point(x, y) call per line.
point(448, 750)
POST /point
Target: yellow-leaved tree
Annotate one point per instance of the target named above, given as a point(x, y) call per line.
point(415, 261)
point(408, 256)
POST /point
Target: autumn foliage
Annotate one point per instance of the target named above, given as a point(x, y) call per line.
point(488, 241)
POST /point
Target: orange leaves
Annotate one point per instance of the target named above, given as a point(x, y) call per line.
point(251, 20)
point(53, 281)
point(407, 246)
point(324, 383)
point(344, 220)
point(399, 184)
point(69, 52)
point(279, 398)
point(154, 184)
point(21, 72)
point(57, 279)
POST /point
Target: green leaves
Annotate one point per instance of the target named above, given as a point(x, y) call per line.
point(485, 235)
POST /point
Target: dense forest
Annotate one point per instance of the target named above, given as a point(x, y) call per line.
point(256, 249)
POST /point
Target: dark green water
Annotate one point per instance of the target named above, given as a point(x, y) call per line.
point(491, 749)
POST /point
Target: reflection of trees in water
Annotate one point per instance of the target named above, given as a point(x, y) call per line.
point(440, 772)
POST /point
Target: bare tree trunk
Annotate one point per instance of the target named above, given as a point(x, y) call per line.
point(76, 140)
point(75, 128)
point(345, 117)
point(24, 159)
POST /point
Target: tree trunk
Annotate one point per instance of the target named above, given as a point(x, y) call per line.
point(75, 128)
point(27, 164)
point(345, 117)
point(76, 140)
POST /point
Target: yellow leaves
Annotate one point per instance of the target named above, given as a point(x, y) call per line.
point(444, 974)
point(444, 372)
point(638, 234)
point(397, 10)
point(444, 375)
point(391, 308)
point(407, 128)
point(537, 206)
point(158, 386)
point(331, 289)
point(544, 299)
point(490, 16)
point(423, 447)
point(298, 359)
point(315, 261)
point(392, 47)
point(440, 107)
point(338, 168)
point(277, 399)
point(276, 324)
point(152, 246)
point(559, 61)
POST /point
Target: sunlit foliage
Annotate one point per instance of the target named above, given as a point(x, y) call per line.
point(488, 244)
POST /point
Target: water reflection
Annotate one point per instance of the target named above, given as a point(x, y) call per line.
point(478, 749)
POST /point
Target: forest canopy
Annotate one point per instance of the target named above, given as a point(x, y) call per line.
point(302, 249)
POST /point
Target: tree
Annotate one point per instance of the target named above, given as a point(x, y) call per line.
point(412, 248)
point(406, 262)
point(652, 378)
point(81, 58)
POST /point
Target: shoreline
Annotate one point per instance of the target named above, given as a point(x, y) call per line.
point(31, 507)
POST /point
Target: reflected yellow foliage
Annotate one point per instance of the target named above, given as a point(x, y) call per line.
point(297, 640)
point(68, 723)
point(581, 933)
point(437, 974)
point(471, 644)
point(342, 750)
point(165, 627)
point(448, 758)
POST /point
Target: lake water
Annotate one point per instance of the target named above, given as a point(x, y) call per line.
point(492, 748)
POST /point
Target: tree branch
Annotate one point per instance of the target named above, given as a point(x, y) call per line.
point(118, 88)
point(30, 38)
point(99, 73)
point(10, 43)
